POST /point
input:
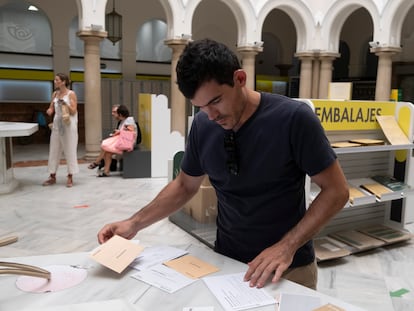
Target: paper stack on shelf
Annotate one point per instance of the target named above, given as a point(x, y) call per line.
point(392, 183)
point(357, 240)
point(368, 141)
point(387, 234)
point(327, 248)
point(344, 144)
point(380, 191)
point(359, 196)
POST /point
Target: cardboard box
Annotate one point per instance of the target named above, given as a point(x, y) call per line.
point(203, 206)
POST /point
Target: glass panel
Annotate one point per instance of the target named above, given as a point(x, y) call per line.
point(24, 31)
point(16, 90)
point(150, 42)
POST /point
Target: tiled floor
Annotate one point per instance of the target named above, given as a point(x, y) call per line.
point(57, 219)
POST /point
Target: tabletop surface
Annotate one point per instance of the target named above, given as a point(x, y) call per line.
point(16, 129)
point(105, 289)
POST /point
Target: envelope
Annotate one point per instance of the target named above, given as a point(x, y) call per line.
point(117, 253)
point(191, 266)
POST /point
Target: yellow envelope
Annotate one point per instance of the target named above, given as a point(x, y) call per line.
point(191, 266)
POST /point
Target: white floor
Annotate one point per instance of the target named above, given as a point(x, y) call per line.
point(56, 219)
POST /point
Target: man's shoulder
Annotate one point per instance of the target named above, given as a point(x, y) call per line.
point(271, 98)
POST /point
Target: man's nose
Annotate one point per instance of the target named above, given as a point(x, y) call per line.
point(211, 113)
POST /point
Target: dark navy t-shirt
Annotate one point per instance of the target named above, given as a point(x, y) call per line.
point(280, 143)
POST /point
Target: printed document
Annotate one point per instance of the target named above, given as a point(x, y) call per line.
point(235, 294)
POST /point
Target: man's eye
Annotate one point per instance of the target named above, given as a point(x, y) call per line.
point(216, 101)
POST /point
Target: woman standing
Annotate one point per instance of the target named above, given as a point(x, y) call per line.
point(64, 136)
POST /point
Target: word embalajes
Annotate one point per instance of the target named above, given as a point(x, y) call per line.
point(347, 114)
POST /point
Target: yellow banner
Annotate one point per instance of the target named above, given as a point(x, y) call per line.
point(351, 115)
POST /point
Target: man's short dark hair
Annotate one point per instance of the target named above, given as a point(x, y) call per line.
point(123, 111)
point(203, 61)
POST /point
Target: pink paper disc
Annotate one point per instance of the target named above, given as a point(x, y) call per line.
point(62, 277)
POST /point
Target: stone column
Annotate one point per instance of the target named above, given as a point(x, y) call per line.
point(92, 82)
point(383, 86)
point(248, 54)
point(305, 84)
point(326, 73)
point(177, 99)
point(316, 71)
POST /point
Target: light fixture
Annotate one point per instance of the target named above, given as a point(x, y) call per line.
point(32, 8)
point(113, 23)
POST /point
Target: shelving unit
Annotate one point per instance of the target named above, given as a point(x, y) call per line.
point(367, 161)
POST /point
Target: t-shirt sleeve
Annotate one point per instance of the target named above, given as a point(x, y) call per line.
point(311, 148)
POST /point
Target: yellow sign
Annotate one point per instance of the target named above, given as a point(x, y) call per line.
point(144, 118)
point(351, 115)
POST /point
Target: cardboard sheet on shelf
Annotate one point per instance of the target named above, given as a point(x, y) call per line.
point(386, 234)
point(327, 248)
point(344, 144)
point(356, 239)
point(392, 130)
point(368, 141)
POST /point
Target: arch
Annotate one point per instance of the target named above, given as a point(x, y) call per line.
point(301, 16)
point(171, 9)
point(24, 31)
point(241, 10)
point(336, 16)
point(203, 26)
point(394, 15)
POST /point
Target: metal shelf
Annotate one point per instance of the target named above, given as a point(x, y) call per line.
point(375, 148)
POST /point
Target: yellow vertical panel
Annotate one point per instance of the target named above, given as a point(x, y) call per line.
point(404, 117)
point(144, 119)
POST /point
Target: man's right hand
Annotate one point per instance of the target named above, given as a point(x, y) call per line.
point(123, 228)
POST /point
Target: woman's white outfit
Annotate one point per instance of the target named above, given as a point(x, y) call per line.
point(64, 138)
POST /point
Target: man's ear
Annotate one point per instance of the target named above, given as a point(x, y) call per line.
point(240, 77)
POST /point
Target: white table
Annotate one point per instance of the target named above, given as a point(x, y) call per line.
point(8, 130)
point(104, 289)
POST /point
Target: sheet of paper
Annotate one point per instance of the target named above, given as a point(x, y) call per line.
point(235, 294)
point(154, 255)
point(191, 266)
point(164, 278)
point(117, 253)
point(297, 302)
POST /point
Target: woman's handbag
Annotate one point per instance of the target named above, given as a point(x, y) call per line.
point(126, 140)
point(109, 144)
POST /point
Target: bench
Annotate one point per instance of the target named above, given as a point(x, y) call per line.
point(136, 163)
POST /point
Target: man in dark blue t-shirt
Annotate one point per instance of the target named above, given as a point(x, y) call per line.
point(257, 149)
